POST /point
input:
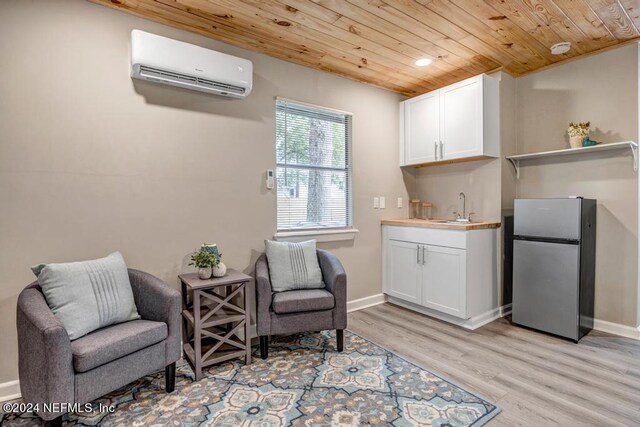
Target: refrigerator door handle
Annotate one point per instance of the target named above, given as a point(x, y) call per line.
point(547, 240)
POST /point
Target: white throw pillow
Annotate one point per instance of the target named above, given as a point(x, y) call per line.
point(88, 295)
point(293, 265)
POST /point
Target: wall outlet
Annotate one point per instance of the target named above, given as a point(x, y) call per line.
point(376, 203)
point(399, 202)
point(382, 202)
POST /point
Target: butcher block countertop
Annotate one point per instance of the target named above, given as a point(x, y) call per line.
point(441, 224)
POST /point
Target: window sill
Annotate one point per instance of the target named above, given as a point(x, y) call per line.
point(318, 235)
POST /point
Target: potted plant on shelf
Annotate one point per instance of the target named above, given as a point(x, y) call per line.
point(205, 261)
point(577, 132)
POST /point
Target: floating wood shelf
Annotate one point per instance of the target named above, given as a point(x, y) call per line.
point(633, 146)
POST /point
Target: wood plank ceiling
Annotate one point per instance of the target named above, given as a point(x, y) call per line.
point(378, 41)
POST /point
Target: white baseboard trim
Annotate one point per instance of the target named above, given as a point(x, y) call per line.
point(505, 310)
point(616, 329)
point(471, 323)
point(490, 316)
point(366, 302)
point(9, 390)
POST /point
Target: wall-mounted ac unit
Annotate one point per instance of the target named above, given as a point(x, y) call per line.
point(163, 60)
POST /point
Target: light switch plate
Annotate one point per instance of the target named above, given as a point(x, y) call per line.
point(376, 203)
point(399, 202)
point(382, 202)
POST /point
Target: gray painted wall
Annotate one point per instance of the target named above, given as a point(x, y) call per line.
point(603, 89)
point(92, 162)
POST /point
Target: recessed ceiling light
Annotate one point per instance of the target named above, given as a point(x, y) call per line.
point(560, 48)
point(423, 62)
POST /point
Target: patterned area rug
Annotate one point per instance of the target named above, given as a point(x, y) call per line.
point(305, 382)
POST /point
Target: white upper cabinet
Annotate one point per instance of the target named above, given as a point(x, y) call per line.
point(461, 124)
point(458, 122)
point(422, 122)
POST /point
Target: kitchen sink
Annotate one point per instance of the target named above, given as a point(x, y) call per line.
point(447, 221)
point(455, 221)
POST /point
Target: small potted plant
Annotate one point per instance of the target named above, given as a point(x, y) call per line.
point(205, 261)
point(220, 269)
point(577, 132)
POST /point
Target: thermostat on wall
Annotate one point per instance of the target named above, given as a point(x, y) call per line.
point(270, 179)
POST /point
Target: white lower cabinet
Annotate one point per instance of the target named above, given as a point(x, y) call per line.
point(444, 280)
point(446, 273)
point(404, 271)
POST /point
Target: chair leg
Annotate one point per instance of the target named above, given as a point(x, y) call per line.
point(264, 347)
point(340, 339)
point(170, 377)
point(56, 422)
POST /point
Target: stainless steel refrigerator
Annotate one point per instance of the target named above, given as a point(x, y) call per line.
point(554, 246)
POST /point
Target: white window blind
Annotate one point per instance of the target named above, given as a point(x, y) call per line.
point(313, 175)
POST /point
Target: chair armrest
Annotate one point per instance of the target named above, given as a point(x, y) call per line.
point(263, 296)
point(157, 301)
point(335, 280)
point(45, 363)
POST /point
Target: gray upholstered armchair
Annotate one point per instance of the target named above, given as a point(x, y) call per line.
point(296, 311)
point(54, 369)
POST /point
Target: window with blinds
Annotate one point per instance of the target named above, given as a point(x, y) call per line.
point(313, 174)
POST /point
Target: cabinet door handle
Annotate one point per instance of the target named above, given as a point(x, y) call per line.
point(423, 258)
point(435, 149)
point(441, 150)
point(418, 254)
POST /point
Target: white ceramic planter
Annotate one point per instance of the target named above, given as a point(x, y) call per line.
point(576, 141)
point(220, 270)
point(204, 273)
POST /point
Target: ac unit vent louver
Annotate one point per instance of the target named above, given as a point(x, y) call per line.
point(151, 73)
point(221, 86)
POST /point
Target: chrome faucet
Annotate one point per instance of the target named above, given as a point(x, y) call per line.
point(463, 217)
point(463, 197)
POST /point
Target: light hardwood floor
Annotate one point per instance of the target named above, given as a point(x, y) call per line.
point(537, 379)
